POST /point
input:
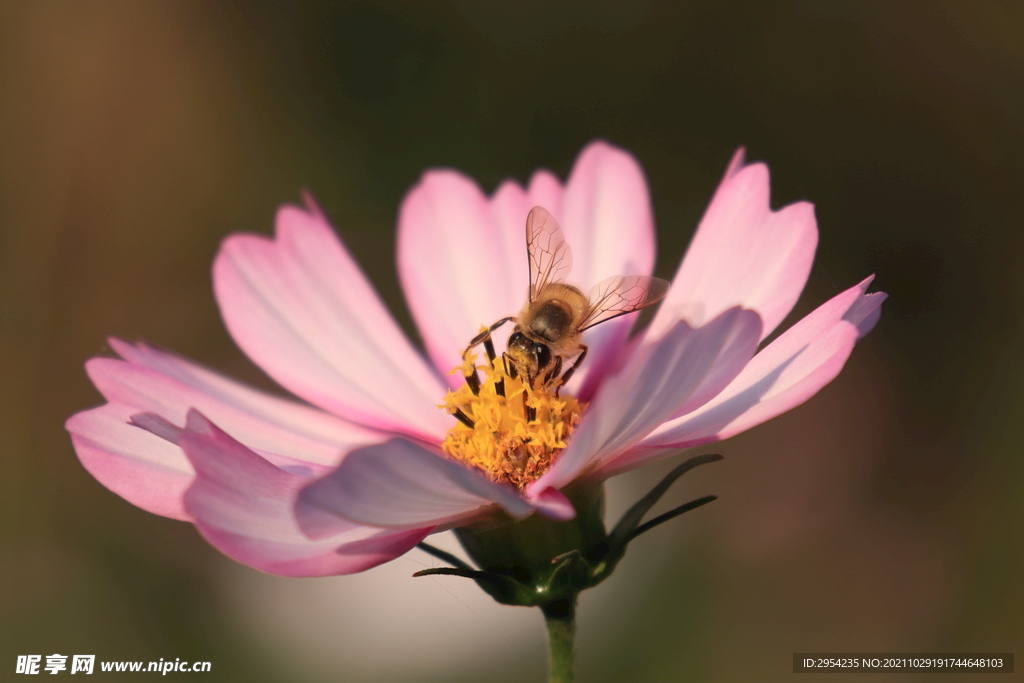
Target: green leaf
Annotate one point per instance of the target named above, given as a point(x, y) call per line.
point(671, 514)
point(443, 555)
point(624, 530)
point(504, 589)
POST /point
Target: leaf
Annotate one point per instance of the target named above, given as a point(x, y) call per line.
point(671, 514)
point(626, 529)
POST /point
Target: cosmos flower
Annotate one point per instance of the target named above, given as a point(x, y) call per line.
point(372, 460)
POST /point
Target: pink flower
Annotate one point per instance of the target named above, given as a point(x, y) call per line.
point(361, 478)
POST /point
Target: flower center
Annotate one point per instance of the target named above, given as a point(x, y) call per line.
point(513, 438)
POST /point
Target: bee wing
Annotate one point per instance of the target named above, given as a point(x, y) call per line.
point(620, 295)
point(549, 253)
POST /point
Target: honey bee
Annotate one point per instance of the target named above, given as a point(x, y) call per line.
point(549, 329)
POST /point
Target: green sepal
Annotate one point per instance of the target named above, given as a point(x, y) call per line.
point(671, 514)
point(442, 555)
point(525, 549)
point(503, 589)
point(623, 531)
point(542, 562)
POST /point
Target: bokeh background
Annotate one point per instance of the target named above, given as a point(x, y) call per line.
point(886, 514)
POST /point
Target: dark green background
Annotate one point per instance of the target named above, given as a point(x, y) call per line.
point(884, 515)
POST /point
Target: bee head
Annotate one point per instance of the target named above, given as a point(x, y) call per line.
point(529, 356)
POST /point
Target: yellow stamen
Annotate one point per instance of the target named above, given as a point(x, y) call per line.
point(503, 443)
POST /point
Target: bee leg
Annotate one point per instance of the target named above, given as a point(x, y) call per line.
point(552, 374)
point(473, 380)
point(486, 334)
point(463, 418)
point(529, 412)
point(572, 368)
point(489, 348)
point(510, 370)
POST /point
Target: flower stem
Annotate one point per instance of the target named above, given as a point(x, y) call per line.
point(560, 617)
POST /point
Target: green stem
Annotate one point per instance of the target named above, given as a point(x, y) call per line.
point(560, 617)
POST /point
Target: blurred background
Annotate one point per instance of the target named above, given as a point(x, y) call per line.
point(884, 515)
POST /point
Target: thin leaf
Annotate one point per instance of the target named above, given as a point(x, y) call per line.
point(504, 589)
point(443, 555)
point(452, 571)
point(624, 530)
point(671, 514)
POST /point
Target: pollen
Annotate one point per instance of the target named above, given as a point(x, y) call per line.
point(515, 437)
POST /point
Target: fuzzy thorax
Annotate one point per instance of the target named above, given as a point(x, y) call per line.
point(503, 443)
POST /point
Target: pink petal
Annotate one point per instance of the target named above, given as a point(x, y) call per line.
point(159, 382)
point(744, 254)
point(462, 260)
point(243, 505)
point(782, 376)
point(682, 370)
point(608, 221)
point(144, 469)
point(606, 216)
point(462, 257)
point(400, 485)
point(153, 474)
point(552, 503)
point(299, 306)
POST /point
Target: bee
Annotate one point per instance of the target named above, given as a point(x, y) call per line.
point(549, 329)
